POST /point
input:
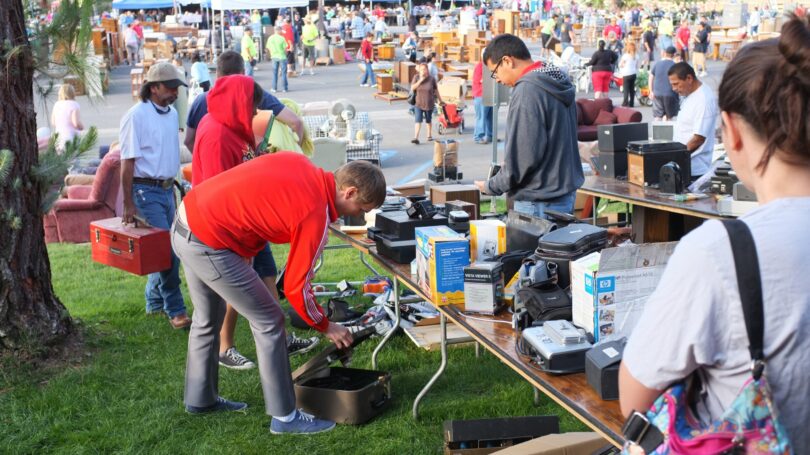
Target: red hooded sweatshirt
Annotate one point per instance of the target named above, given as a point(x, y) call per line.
point(226, 132)
point(280, 198)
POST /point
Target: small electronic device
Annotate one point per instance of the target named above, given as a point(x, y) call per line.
point(560, 345)
point(423, 210)
point(742, 193)
point(602, 368)
point(612, 143)
point(670, 179)
point(459, 221)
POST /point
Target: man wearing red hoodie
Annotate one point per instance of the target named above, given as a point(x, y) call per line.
point(280, 198)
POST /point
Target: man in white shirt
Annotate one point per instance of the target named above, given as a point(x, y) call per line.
point(753, 22)
point(697, 117)
point(150, 159)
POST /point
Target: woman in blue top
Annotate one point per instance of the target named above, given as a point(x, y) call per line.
point(199, 71)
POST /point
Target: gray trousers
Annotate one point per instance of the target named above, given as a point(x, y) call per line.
point(215, 277)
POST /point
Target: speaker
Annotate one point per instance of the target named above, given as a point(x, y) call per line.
point(614, 138)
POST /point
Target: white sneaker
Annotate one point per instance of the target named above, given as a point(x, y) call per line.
point(703, 74)
point(374, 85)
point(363, 85)
point(311, 72)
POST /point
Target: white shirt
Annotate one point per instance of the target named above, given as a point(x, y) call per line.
point(199, 71)
point(152, 139)
point(628, 65)
point(694, 321)
point(753, 19)
point(698, 115)
point(62, 115)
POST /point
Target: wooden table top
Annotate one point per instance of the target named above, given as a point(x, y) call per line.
point(570, 391)
point(621, 190)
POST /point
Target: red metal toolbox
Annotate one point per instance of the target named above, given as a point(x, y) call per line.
point(138, 250)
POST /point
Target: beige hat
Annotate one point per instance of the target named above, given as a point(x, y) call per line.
point(166, 73)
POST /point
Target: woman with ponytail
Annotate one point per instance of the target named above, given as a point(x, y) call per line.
point(693, 324)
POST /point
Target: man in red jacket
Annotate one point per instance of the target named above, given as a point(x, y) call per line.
point(227, 219)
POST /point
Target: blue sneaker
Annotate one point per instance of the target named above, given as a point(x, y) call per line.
point(222, 405)
point(303, 423)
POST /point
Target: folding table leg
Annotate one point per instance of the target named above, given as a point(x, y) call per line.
point(536, 396)
point(442, 366)
point(368, 264)
point(393, 330)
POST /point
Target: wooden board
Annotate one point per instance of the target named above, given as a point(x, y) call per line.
point(429, 337)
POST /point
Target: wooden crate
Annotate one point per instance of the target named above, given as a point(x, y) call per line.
point(136, 80)
point(386, 52)
point(385, 83)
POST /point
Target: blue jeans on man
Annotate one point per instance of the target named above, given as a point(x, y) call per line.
point(482, 22)
point(280, 64)
point(563, 204)
point(248, 69)
point(368, 76)
point(483, 121)
point(157, 206)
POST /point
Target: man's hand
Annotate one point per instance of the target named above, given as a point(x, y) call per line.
point(482, 186)
point(128, 217)
point(339, 335)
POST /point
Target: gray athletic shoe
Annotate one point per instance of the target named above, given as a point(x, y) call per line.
point(303, 423)
point(297, 345)
point(234, 360)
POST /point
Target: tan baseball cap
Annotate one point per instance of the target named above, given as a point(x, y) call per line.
point(165, 73)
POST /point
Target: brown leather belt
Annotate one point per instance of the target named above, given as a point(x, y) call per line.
point(165, 184)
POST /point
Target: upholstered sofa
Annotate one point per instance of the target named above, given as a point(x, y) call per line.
point(592, 113)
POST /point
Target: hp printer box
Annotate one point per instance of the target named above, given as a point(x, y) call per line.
point(609, 288)
point(441, 255)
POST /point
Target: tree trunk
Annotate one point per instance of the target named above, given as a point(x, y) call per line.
point(31, 316)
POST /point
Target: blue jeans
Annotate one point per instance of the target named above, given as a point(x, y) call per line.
point(162, 292)
point(264, 264)
point(368, 77)
point(666, 41)
point(482, 22)
point(483, 120)
point(563, 204)
point(248, 69)
point(279, 63)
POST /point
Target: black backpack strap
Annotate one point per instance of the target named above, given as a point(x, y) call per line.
point(746, 264)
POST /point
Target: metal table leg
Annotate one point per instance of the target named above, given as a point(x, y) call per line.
point(593, 209)
point(393, 329)
point(369, 266)
point(536, 396)
point(477, 349)
point(442, 366)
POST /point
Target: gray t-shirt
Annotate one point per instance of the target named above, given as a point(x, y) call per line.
point(661, 85)
point(693, 320)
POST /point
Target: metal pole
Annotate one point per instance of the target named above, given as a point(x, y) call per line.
point(442, 366)
point(222, 26)
point(495, 94)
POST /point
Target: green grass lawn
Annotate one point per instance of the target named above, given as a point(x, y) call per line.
point(126, 393)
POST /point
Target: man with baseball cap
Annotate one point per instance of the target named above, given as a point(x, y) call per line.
point(150, 159)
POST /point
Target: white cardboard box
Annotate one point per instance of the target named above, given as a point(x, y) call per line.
point(609, 288)
point(487, 239)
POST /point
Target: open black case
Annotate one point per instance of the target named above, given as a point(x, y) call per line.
point(339, 393)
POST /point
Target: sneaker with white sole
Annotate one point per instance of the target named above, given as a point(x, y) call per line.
point(302, 423)
point(234, 360)
point(297, 345)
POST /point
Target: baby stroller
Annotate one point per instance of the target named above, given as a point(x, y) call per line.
point(451, 116)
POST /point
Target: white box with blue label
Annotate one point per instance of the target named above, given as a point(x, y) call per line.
point(441, 255)
point(609, 288)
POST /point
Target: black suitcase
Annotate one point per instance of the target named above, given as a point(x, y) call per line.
point(345, 395)
point(568, 244)
point(645, 159)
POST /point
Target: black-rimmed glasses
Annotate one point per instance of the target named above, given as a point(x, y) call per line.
point(495, 70)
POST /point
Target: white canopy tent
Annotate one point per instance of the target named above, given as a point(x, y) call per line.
point(223, 5)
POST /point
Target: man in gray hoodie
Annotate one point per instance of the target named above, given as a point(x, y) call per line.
point(541, 168)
